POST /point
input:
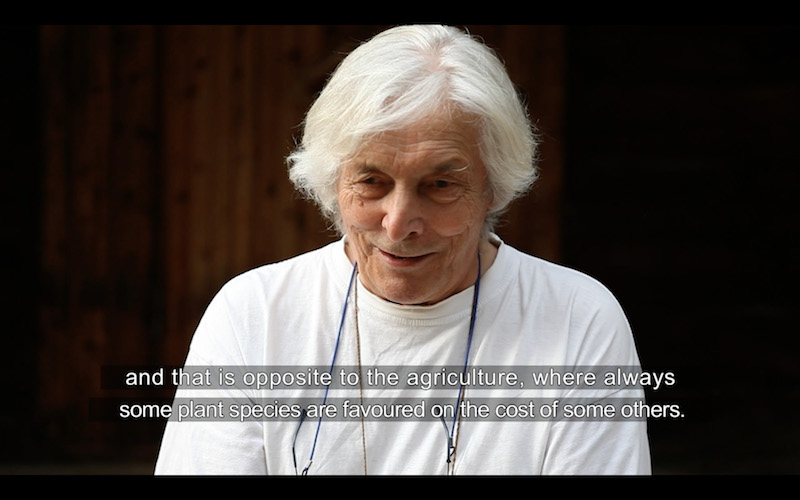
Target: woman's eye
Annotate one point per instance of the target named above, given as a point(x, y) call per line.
point(370, 187)
point(444, 191)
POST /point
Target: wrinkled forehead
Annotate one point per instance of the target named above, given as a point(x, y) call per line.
point(446, 131)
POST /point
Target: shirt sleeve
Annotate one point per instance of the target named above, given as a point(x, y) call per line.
point(219, 447)
point(603, 339)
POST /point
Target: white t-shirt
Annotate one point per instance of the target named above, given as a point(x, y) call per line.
point(530, 314)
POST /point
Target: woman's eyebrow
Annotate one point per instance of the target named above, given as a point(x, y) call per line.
point(451, 167)
point(454, 166)
point(367, 168)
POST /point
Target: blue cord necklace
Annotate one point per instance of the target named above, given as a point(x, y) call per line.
point(450, 432)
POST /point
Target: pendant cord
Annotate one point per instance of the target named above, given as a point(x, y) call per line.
point(453, 434)
point(360, 379)
point(455, 431)
point(330, 371)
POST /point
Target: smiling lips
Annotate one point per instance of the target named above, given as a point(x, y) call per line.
point(402, 261)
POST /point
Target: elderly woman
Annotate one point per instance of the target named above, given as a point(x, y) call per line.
point(414, 148)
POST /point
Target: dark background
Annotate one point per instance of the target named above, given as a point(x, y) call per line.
point(675, 156)
point(681, 183)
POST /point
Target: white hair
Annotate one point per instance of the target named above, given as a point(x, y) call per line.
point(400, 77)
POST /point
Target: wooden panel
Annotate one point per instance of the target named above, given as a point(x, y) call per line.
point(534, 56)
point(100, 217)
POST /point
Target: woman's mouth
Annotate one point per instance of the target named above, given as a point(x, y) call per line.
point(401, 260)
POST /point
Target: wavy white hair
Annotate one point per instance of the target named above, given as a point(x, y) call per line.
point(399, 77)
